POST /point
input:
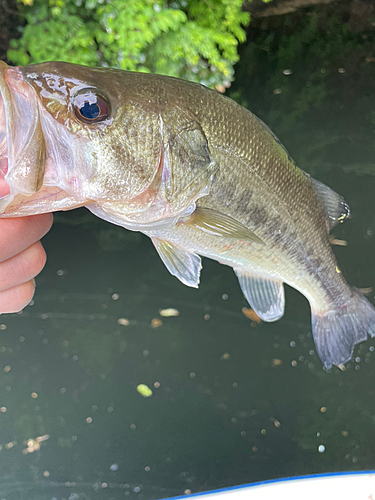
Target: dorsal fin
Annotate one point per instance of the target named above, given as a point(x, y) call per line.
point(335, 206)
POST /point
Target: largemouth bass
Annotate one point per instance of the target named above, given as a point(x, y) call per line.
point(197, 173)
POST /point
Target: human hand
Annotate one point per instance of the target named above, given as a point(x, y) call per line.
point(22, 257)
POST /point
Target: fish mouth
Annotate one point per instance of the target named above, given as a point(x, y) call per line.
point(4, 188)
point(23, 152)
point(21, 138)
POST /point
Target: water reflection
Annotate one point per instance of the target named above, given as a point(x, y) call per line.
point(232, 400)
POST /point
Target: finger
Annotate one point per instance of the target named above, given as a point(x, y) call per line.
point(22, 267)
point(4, 188)
point(17, 234)
point(16, 298)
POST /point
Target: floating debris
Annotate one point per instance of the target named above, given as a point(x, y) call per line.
point(156, 322)
point(321, 448)
point(123, 322)
point(225, 356)
point(275, 422)
point(34, 444)
point(167, 313)
point(366, 291)
point(345, 433)
point(323, 409)
point(276, 362)
point(251, 314)
point(336, 241)
point(10, 445)
point(144, 390)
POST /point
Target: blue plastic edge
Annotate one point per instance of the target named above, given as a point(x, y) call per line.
point(278, 480)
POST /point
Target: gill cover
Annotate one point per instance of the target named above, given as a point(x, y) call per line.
point(183, 175)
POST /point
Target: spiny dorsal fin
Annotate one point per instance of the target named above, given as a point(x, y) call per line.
point(265, 295)
point(335, 206)
point(184, 265)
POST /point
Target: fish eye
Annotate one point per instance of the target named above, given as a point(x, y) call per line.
point(90, 107)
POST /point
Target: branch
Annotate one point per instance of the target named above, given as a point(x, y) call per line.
point(278, 8)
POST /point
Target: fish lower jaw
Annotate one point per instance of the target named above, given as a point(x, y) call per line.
point(4, 188)
point(47, 199)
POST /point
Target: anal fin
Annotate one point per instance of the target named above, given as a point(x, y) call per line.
point(184, 265)
point(265, 295)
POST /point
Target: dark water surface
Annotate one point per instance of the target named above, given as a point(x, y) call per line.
point(233, 401)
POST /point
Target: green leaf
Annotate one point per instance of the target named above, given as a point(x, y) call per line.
point(194, 39)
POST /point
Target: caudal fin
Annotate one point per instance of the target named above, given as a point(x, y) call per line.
point(337, 331)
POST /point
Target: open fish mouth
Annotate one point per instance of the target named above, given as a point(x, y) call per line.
point(21, 137)
point(23, 152)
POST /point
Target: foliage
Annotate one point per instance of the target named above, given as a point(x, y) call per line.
point(189, 39)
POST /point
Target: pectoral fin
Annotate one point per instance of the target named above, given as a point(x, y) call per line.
point(218, 224)
point(184, 265)
point(266, 296)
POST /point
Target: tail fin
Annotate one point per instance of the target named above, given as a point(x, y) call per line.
point(337, 331)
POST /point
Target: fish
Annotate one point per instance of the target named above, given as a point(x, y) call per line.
point(197, 173)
